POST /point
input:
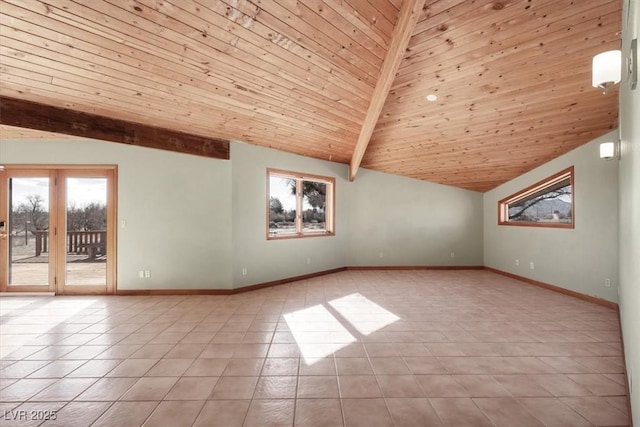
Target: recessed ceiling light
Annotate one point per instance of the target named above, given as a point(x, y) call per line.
point(432, 97)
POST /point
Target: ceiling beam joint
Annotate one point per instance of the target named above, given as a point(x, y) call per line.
point(408, 16)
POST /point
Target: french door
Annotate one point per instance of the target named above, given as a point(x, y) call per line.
point(57, 229)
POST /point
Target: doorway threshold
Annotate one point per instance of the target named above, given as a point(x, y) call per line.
point(27, 294)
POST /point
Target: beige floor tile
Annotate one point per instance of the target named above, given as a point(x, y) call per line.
point(150, 388)
point(353, 366)
point(235, 388)
point(553, 413)
point(359, 386)
point(23, 368)
point(506, 412)
point(486, 349)
point(185, 350)
point(441, 386)
point(522, 385)
point(107, 389)
point(192, 388)
point(270, 413)
point(169, 368)
point(317, 387)
point(597, 410)
point(24, 389)
point(132, 368)
point(318, 367)
point(389, 366)
point(94, 368)
point(152, 351)
point(598, 384)
point(481, 386)
point(64, 390)
point(278, 366)
point(77, 414)
point(175, 414)
point(249, 367)
point(275, 388)
point(366, 413)
point(459, 412)
point(126, 414)
point(399, 386)
point(57, 369)
point(412, 412)
point(318, 413)
point(207, 368)
point(223, 413)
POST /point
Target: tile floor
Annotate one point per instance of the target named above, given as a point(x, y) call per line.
point(357, 348)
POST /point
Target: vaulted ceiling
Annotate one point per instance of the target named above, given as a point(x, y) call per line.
point(337, 80)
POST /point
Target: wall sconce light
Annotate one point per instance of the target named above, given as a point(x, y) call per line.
point(608, 150)
point(607, 69)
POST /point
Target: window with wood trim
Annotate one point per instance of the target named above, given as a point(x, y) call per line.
point(299, 205)
point(548, 203)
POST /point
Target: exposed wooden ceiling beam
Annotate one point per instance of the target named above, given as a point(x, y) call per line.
point(407, 20)
point(33, 115)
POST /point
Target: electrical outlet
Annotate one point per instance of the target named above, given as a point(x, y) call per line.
point(531, 265)
point(244, 271)
point(453, 254)
point(308, 261)
point(141, 274)
point(381, 255)
point(607, 283)
point(517, 262)
point(147, 274)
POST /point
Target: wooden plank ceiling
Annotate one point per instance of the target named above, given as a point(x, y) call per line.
point(513, 77)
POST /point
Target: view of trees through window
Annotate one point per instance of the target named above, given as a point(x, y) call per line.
point(553, 206)
point(297, 205)
point(547, 203)
point(32, 215)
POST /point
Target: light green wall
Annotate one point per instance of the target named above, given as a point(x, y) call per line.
point(177, 209)
point(412, 222)
point(197, 223)
point(268, 260)
point(630, 213)
point(578, 259)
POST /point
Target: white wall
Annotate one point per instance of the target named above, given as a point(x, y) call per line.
point(578, 259)
point(177, 209)
point(268, 260)
point(412, 222)
point(630, 214)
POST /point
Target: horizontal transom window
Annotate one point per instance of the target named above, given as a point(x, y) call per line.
point(548, 203)
point(299, 205)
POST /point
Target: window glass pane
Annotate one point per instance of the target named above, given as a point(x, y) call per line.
point(28, 231)
point(282, 206)
point(86, 240)
point(553, 205)
point(314, 206)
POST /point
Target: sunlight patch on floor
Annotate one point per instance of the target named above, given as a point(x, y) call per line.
point(317, 332)
point(365, 315)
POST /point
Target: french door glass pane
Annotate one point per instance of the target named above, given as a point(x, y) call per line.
point(28, 231)
point(86, 240)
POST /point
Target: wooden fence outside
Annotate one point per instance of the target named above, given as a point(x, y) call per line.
point(91, 243)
